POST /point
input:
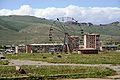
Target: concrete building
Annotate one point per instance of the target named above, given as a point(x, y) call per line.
point(91, 44)
point(110, 47)
point(44, 48)
point(73, 42)
point(91, 41)
point(20, 48)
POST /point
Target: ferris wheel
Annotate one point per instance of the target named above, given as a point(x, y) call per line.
point(67, 19)
point(61, 27)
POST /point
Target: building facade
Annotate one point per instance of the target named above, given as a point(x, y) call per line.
point(73, 42)
point(91, 44)
point(92, 41)
point(44, 48)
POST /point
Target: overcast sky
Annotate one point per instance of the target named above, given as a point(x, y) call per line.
point(95, 11)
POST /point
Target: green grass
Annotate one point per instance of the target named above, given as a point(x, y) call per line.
point(4, 62)
point(57, 71)
point(101, 58)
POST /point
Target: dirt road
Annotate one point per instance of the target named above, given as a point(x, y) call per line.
point(111, 66)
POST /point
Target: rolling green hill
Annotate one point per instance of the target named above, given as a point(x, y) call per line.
point(29, 29)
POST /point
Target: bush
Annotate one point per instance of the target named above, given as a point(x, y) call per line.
point(52, 53)
point(59, 56)
point(44, 57)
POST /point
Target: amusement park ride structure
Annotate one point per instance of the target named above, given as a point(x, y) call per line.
point(71, 43)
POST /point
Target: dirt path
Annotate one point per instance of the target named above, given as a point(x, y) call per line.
point(28, 62)
point(111, 66)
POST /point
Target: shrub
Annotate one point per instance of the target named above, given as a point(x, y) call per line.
point(59, 56)
point(44, 57)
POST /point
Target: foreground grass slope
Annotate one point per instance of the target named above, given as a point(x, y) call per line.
point(101, 58)
point(56, 71)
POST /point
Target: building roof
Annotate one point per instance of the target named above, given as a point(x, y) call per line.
point(91, 34)
point(110, 46)
point(47, 44)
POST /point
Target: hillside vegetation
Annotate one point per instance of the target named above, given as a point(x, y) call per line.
point(30, 29)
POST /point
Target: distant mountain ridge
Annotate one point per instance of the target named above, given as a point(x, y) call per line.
point(29, 29)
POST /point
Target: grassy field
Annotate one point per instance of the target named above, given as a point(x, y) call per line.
point(56, 71)
point(4, 62)
point(101, 58)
